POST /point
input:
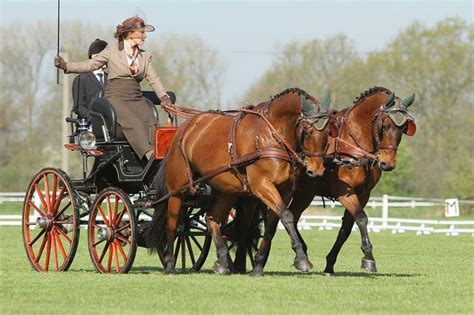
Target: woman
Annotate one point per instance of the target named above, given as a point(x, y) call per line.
point(127, 65)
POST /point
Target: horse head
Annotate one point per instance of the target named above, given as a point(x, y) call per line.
point(315, 126)
point(390, 123)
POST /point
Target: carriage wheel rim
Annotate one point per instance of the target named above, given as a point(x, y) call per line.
point(114, 252)
point(50, 221)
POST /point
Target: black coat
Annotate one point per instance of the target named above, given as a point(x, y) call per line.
point(84, 88)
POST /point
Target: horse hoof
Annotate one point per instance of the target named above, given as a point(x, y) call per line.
point(369, 265)
point(220, 270)
point(303, 265)
point(327, 274)
point(256, 273)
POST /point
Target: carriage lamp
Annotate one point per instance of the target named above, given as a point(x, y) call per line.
point(87, 140)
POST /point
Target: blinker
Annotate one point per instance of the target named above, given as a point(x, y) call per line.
point(321, 123)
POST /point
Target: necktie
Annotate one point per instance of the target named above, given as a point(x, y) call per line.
point(101, 78)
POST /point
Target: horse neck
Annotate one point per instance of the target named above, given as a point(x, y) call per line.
point(360, 118)
point(283, 114)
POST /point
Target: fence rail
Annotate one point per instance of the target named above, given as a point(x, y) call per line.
point(383, 223)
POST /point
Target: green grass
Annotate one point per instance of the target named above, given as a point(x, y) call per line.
point(417, 274)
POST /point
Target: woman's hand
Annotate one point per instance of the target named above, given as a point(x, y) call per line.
point(59, 62)
point(165, 100)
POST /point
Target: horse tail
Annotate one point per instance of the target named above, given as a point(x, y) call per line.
point(155, 230)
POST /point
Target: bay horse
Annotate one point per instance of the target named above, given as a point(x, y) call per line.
point(259, 152)
point(369, 133)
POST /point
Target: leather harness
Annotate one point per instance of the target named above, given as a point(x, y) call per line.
point(287, 154)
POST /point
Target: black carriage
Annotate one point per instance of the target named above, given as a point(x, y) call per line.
point(112, 200)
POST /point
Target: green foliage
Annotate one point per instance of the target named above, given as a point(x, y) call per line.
point(417, 274)
point(435, 63)
point(31, 116)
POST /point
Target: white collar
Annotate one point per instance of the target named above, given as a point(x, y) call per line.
point(96, 72)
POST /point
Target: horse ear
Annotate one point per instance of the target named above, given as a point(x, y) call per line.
point(306, 107)
point(390, 100)
point(408, 101)
point(326, 101)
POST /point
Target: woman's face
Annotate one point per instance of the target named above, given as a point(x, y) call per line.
point(137, 37)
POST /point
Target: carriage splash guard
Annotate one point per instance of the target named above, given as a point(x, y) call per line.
point(163, 138)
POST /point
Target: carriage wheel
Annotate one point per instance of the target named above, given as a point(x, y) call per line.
point(192, 242)
point(112, 232)
point(50, 221)
point(240, 255)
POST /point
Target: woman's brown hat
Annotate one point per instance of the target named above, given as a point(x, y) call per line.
point(132, 24)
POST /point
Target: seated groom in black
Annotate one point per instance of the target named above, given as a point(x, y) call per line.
point(87, 86)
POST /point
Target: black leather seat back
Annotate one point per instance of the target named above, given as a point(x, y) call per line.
point(101, 107)
point(102, 111)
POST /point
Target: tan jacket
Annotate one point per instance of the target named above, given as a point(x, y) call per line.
point(117, 65)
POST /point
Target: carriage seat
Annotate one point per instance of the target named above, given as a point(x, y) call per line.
point(101, 111)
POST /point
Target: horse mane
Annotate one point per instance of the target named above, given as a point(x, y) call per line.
point(295, 90)
point(369, 92)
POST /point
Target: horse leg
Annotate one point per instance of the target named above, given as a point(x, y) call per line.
point(246, 217)
point(263, 252)
point(222, 203)
point(368, 262)
point(174, 208)
point(342, 236)
point(302, 198)
point(268, 193)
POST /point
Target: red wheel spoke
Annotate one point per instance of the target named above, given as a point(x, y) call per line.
point(115, 210)
point(116, 258)
point(109, 260)
point(60, 245)
point(109, 210)
point(120, 248)
point(37, 237)
point(98, 242)
point(62, 210)
point(55, 250)
point(120, 216)
point(40, 195)
point(123, 227)
point(36, 208)
point(46, 192)
point(60, 197)
point(48, 252)
point(103, 215)
point(54, 188)
point(190, 250)
point(40, 252)
point(63, 234)
point(104, 251)
point(122, 238)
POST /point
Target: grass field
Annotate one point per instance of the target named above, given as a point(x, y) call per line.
point(417, 274)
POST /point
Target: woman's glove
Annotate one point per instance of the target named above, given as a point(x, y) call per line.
point(165, 100)
point(59, 62)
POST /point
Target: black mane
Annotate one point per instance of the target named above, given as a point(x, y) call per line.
point(373, 90)
point(294, 90)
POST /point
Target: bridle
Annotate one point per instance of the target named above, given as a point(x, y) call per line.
point(357, 154)
point(316, 121)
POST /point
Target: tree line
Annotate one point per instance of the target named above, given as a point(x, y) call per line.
point(433, 62)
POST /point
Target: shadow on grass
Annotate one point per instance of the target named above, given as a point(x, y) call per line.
point(372, 275)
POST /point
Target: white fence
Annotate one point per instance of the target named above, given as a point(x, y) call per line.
point(395, 225)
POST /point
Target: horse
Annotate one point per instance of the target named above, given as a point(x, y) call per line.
point(369, 133)
point(258, 157)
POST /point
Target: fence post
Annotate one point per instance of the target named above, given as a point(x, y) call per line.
point(384, 211)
